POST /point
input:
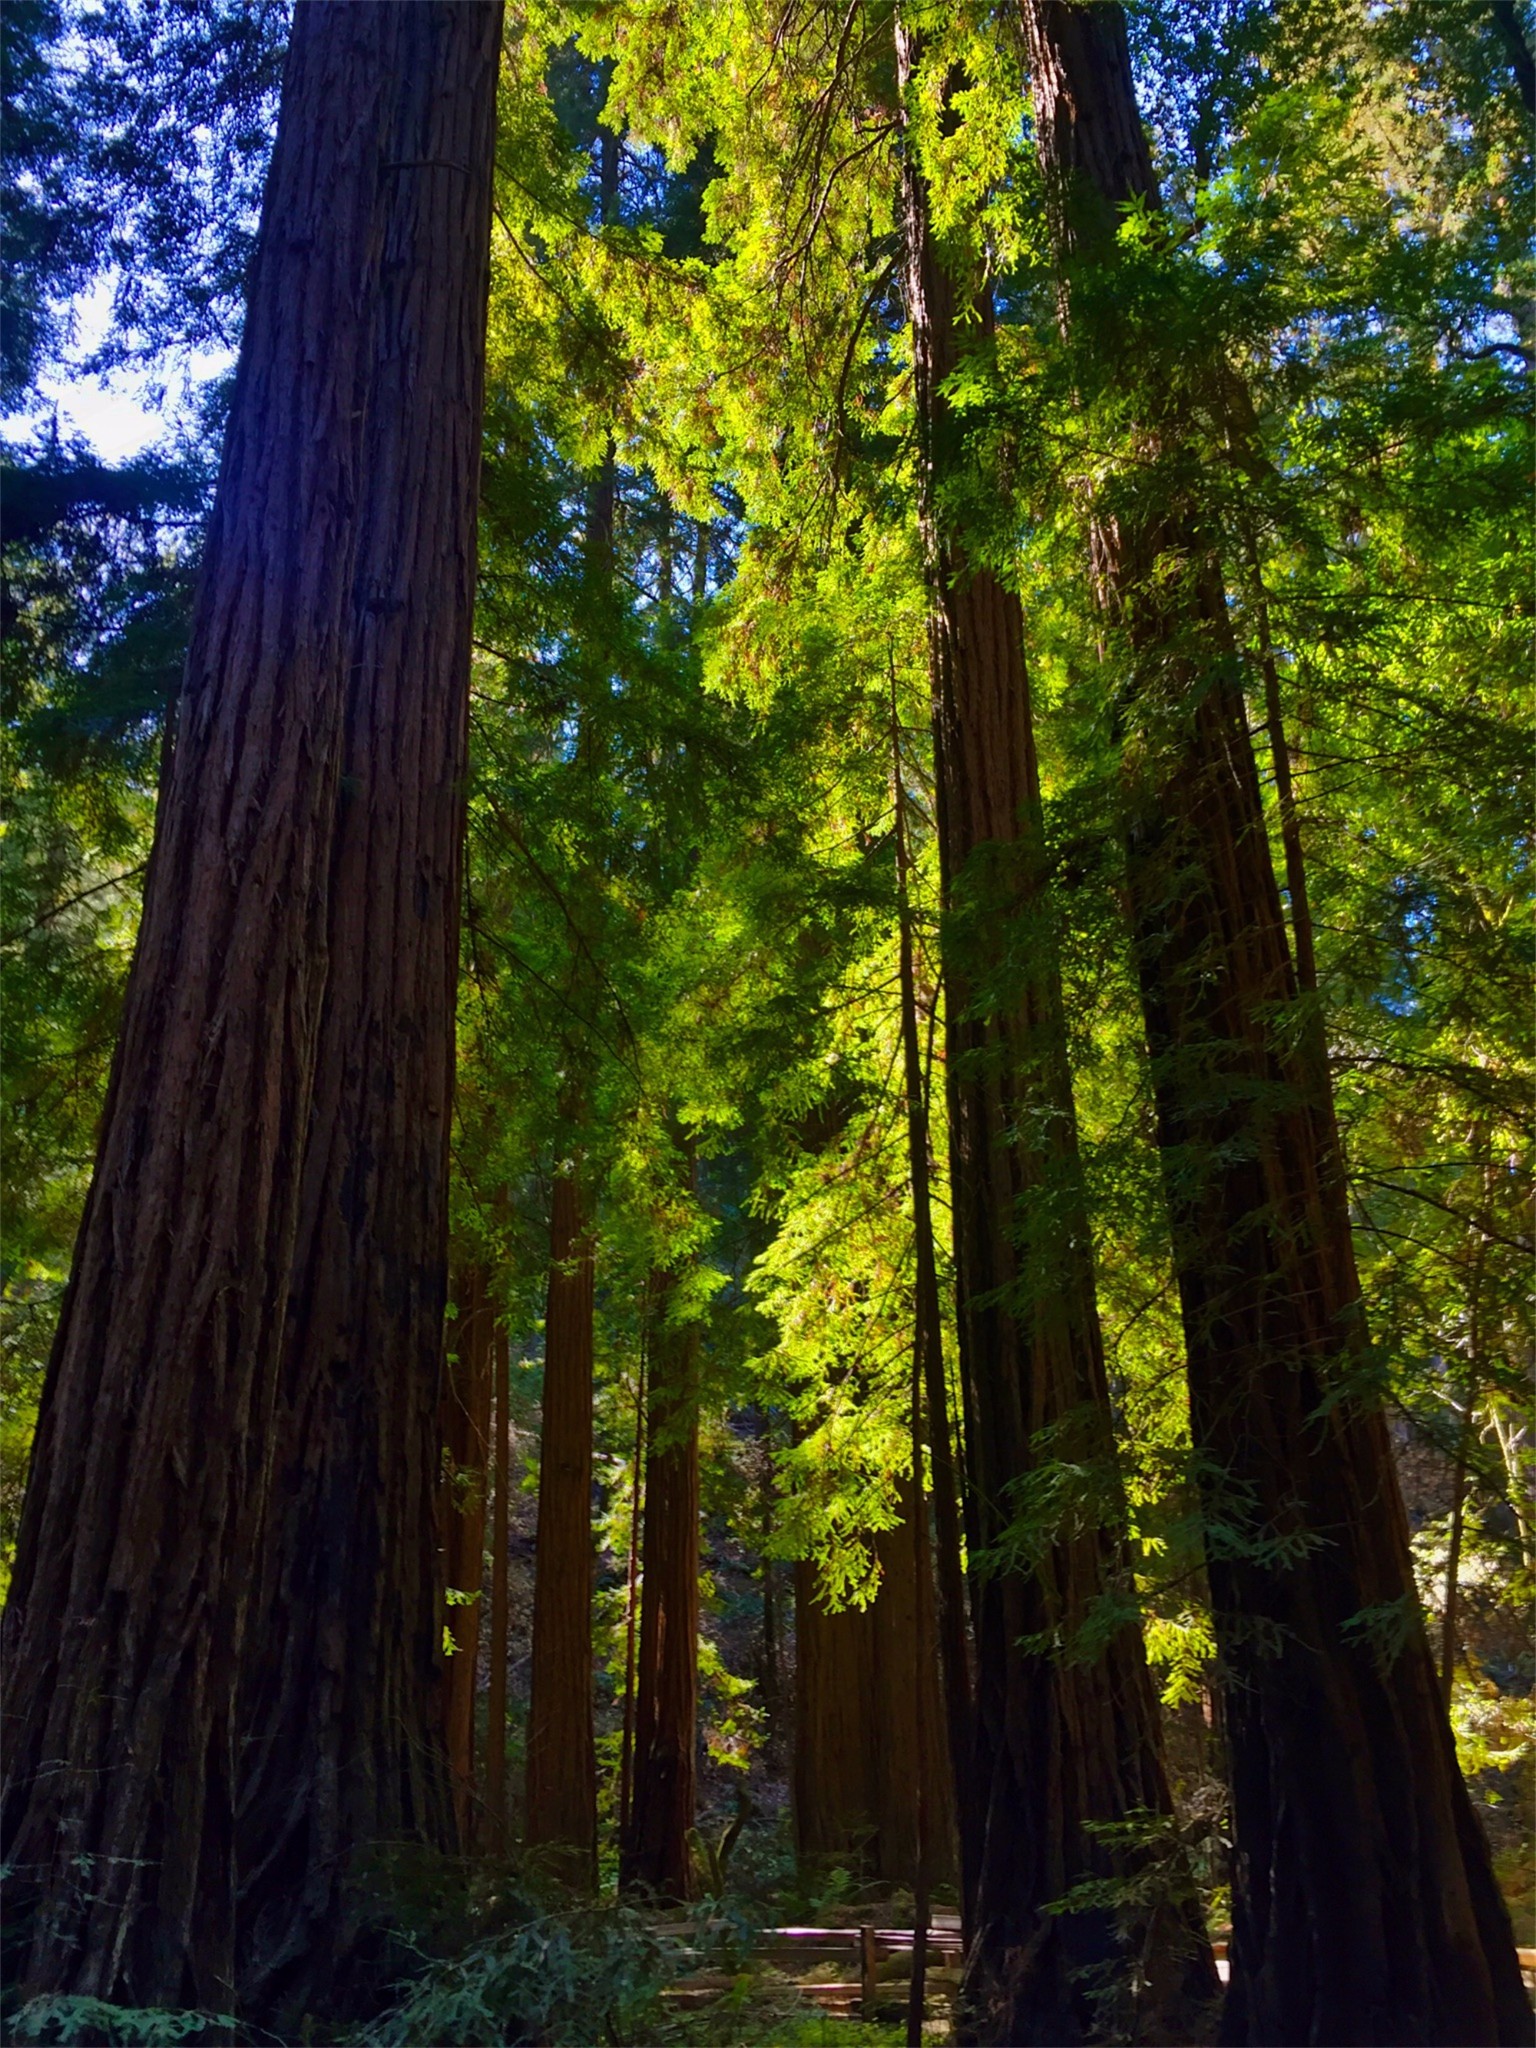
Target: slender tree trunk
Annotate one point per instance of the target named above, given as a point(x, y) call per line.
point(927, 1366)
point(1452, 1622)
point(1065, 1746)
point(156, 1440)
point(632, 1589)
point(464, 1429)
point(562, 1759)
point(928, 1353)
point(496, 1689)
point(340, 1715)
point(1285, 796)
point(1451, 1629)
point(928, 1745)
point(653, 1855)
point(770, 1672)
point(1364, 1907)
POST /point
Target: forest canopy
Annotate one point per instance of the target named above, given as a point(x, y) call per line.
point(766, 1084)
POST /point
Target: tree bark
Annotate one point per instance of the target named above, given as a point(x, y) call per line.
point(562, 1759)
point(464, 1430)
point(863, 1723)
point(496, 1689)
point(341, 1716)
point(928, 1352)
point(1364, 1907)
point(833, 1788)
point(653, 1855)
point(150, 1472)
point(1285, 799)
point(1065, 1744)
point(632, 1586)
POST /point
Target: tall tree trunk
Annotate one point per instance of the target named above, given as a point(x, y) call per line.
point(632, 1585)
point(562, 1759)
point(340, 1716)
point(863, 1722)
point(928, 1342)
point(1065, 1746)
point(561, 1804)
point(464, 1419)
point(907, 1732)
point(1285, 797)
point(832, 1781)
point(653, 1855)
point(1364, 1907)
point(770, 1664)
point(496, 1689)
point(156, 1439)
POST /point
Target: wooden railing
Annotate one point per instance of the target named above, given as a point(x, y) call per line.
point(873, 1965)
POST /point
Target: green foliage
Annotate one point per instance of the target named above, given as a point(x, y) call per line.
point(1146, 1898)
point(701, 663)
point(566, 1978)
point(59, 2019)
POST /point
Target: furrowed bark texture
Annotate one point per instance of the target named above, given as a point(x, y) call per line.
point(1061, 1741)
point(1364, 1908)
point(857, 1733)
point(341, 1722)
point(129, 1604)
point(562, 1759)
point(654, 1853)
point(464, 1432)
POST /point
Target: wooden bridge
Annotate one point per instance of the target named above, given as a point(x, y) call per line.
point(864, 1971)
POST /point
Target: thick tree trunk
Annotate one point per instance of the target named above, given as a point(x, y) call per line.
point(908, 1731)
point(1364, 1907)
point(859, 1743)
point(129, 1604)
point(341, 1722)
point(1065, 1745)
point(832, 1781)
point(562, 1759)
point(464, 1430)
point(653, 1855)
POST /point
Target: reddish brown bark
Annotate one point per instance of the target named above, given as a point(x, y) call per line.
point(340, 1735)
point(1364, 1907)
point(859, 1743)
point(464, 1430)
point(632, 1596)
point(496, 1688)
point(562, 1759)
point(1063, 1744)
point(653, 1855)
point(129, 1606)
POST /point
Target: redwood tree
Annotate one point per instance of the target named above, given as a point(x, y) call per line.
point(868, 1716)
point(1065, 1738)
point(562, 1758)
point(1363, 1903)
point(340, 1723)
point(158, 1434)
point(654, 1852)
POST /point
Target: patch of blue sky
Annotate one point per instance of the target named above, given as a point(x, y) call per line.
point(124, 412)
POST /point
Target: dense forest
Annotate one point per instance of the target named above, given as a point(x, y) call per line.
point(767, 1060)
